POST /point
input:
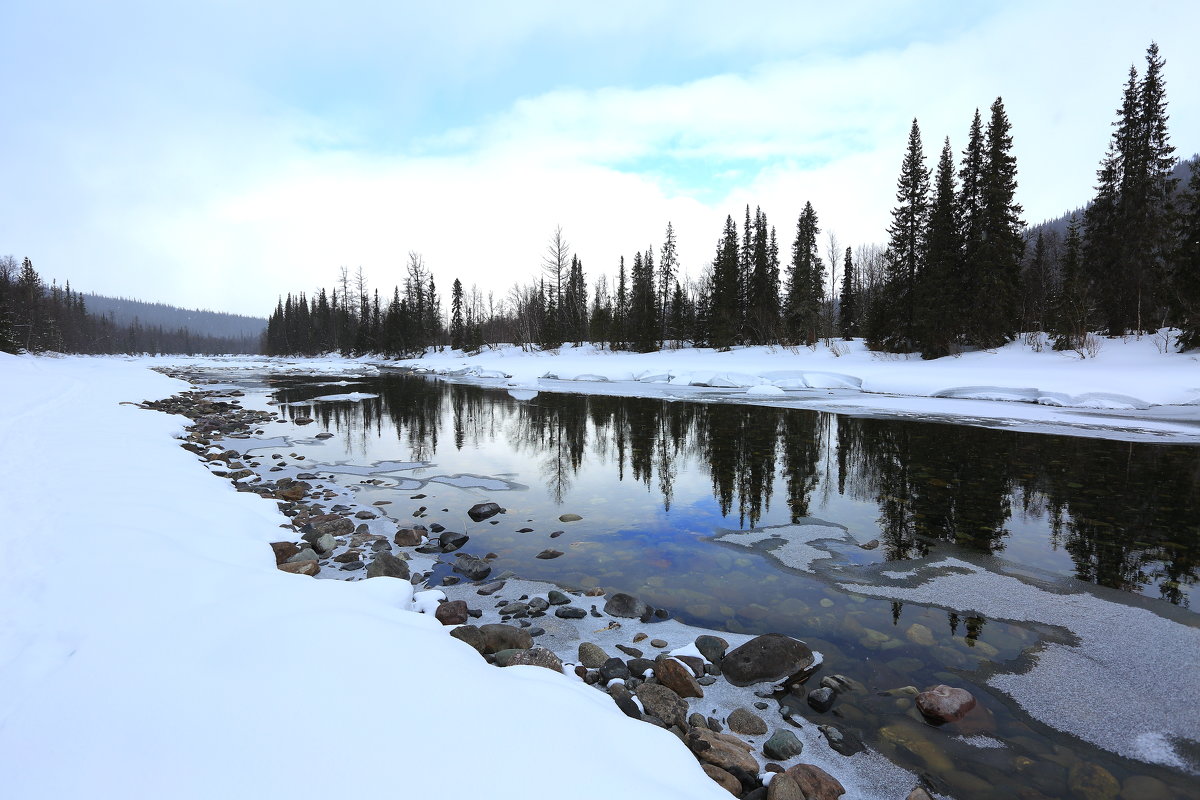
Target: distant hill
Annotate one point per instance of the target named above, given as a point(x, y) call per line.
point(1058, 225)
point(125, 312)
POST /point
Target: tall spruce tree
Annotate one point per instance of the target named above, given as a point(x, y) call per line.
point(762, 314)
point(1185, 268)
point(906, 249)
point(724, 313)
point(939, 321)
point(668, 265)
point(806, 282)
point(1070, 309)
point(458, 331)
point(994, 266)
point(847, 299)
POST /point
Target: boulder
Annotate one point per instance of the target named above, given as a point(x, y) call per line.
point(816, 783)
point(471, 635)
point(548, 554)
point(284, 550)
point(784, 787)
point(569, 518)
point(664, 704)
point(676, 677)
point(592, 655)
point(481, 511)
point(724, 779)
point(407, 537)
point(614, 668)
point(449, 541)
point(624, 700)
point(720, 750)
point(712, 648)
point(746, 722)
point(310, 567)
point(821, 700)
point(945, 703)
point(325, 543)
point(536, 657)
point(475, 569)
point(769, 658)
point(557, 598)
point(498, 637)
point(782, 745)
point(626, 605)
point(386, 565)
point(570, 612)
point(307, 554)
point(453, 612)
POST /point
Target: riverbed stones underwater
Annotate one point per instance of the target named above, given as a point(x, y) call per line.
point(359, 550)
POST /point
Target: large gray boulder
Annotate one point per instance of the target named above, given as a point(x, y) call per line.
point(769, 658)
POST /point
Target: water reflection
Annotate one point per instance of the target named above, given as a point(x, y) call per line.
point(1126, 514)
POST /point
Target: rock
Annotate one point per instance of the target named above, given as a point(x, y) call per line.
point(639, 667)
point(614, 668)
point(782, 745)
point(720, 750)
point(284, 550)
point(676, 677)
point(659, 643)
point(821, 699)
point(569, 518)
point(746, 722)
point(633, 652)
point(325, 543)
point(845, 743)
point(557, 598)
point(769, 658)
point(475, 569)
point(663, 703)
point(309, 567)
point(1092, 782)
point(514, 608)
point(497, 637)
point(570, 612)
point(366, 515)
point(871, 545)
point(784, 787)
point(712, 648)
point(919, 793)
point(481, 511)
point(471, 635)
point(349, 557)
point(816, 783)
point(945, 703)
point(333, 524)
point(591, 655)
point(725, 780)
point(624, 700)
point(919, 634)
point(453, 612)
point(490, 588)
point(537, 657)
point(407, 537)
point(450, 541)
point(537, 604)
point(626, 605)
point(386, 565)
point(307, 554)
point(548, 554)
point(696, 665)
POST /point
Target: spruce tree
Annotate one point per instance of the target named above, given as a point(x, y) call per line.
point(1186, 264)
point(668, 265)
point(906, 249)
point(762, 315)
point(1071, 310)
point(806, 282)
point(938, 321)
point(847, 299)
point(724, 314)
point(994, 267)
point(457, 327)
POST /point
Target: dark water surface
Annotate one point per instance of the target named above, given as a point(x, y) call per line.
point(654, 481)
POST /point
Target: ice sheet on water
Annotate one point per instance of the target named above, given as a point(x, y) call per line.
point(466, 481)
point(374, 469)
point(790, 545)
point(1118, 687)
point(352, 397)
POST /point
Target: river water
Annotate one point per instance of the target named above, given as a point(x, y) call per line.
point(751, 519)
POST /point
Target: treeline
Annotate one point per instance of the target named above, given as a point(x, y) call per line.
point(126, 311)
point(958, 270)
point(36, 318)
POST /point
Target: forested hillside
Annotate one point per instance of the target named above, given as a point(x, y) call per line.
point(125, 311)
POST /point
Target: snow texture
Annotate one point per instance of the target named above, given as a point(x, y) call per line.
point(1118, 687)
point(149, 647)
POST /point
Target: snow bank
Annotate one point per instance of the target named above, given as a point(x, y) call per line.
point(1130, 387)
point(150, 648)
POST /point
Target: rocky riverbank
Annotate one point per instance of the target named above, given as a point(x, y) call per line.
point(733, 700)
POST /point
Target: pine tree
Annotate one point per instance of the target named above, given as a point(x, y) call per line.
point(1185, 270)
point(1071, 311)
point(906, 249)
point(994, 267)
point(806, 282)
point(643, 327)
point(620, 332)
point(457, 327)
point(938, 321)
point(668, 266)
point(762, 316)
point(724, 314)
point(847, 300)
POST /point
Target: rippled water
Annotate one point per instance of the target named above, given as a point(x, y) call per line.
point(659, 484)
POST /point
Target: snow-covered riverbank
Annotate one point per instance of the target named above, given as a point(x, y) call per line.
point(150, 647)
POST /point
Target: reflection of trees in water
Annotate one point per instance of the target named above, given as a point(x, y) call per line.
point(1128, 514)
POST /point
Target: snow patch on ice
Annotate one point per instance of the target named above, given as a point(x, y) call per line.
point(790, 545)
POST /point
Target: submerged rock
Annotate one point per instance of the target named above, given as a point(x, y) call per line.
point(473, 568)
point(548, 554)
point(945, 703)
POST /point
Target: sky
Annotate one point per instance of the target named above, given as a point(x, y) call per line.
point(219, 154)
